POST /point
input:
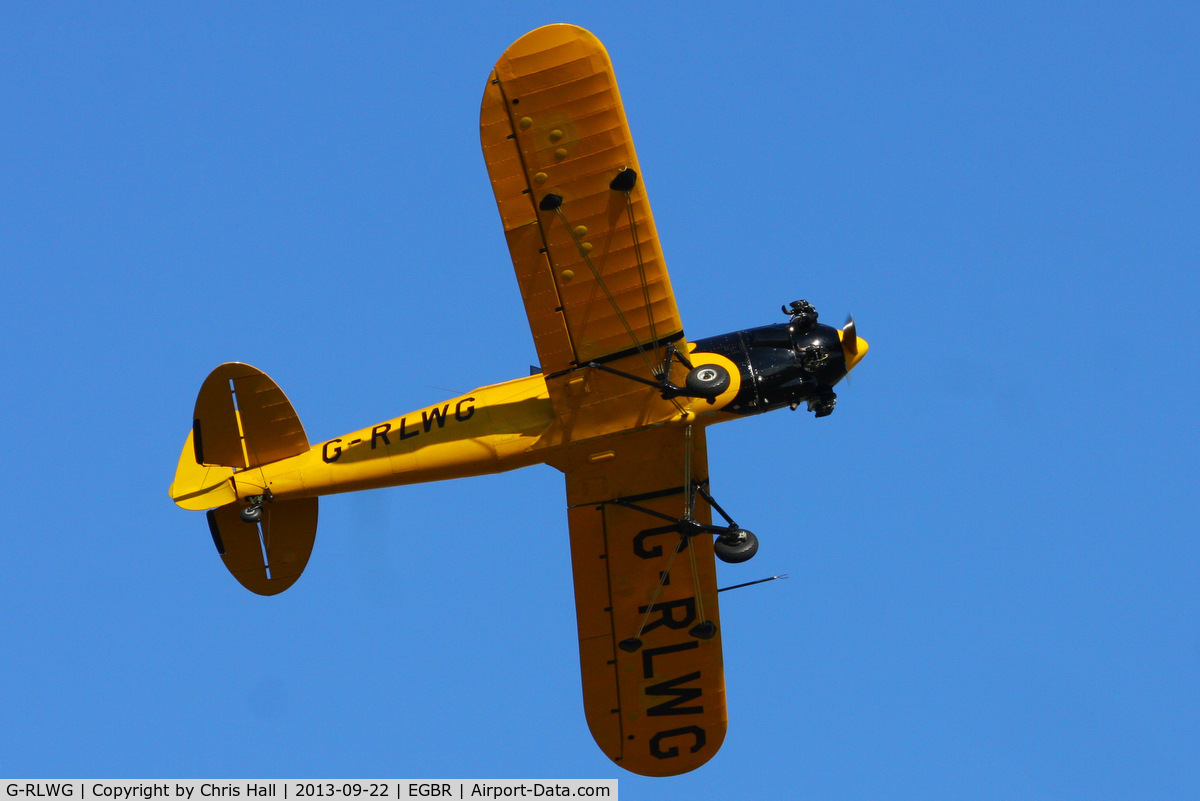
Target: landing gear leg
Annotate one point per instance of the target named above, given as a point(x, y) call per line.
point(734, 544)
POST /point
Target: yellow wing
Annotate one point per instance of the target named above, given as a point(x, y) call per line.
point(646, 601)
point(579, 228)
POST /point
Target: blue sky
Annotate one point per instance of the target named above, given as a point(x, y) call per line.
point(991, 542)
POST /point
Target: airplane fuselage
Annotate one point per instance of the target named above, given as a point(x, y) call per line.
point(488, 430)
point(513, 424)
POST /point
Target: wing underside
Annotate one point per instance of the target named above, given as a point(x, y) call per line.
point(604, 321)
point(582, 239)
point(580, 233)
point(646, 601)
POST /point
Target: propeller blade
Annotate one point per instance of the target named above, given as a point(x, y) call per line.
point(850, 335)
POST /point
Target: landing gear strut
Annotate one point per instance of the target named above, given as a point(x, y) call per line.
point(733, 544)
point(705, 381)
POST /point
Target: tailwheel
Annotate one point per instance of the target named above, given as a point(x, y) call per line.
point(736, 545)
point(253, 512)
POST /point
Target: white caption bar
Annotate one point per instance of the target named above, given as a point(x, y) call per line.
point(293, 790)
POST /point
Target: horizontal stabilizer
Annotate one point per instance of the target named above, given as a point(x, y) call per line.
point(242, 419)
point(266, 557)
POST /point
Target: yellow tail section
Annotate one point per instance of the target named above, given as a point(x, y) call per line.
point(243, 420)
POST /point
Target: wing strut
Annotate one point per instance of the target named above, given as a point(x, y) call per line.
point(635, 642)
point(554, 203)
point(704, 628)
point(624, 182)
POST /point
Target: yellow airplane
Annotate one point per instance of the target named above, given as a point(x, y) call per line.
point(620, 407)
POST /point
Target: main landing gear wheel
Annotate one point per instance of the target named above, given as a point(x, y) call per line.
point(252, 514)
point(707, 381)
point(736, 546)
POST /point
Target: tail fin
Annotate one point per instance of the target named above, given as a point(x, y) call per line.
point(243, 420)
point(200, 486)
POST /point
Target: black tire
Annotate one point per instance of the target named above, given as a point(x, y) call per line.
point(252, 514)
point(736, 546)
point(707, 381)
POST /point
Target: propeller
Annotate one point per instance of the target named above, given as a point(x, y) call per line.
point(850, 335)
point(854, 347)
